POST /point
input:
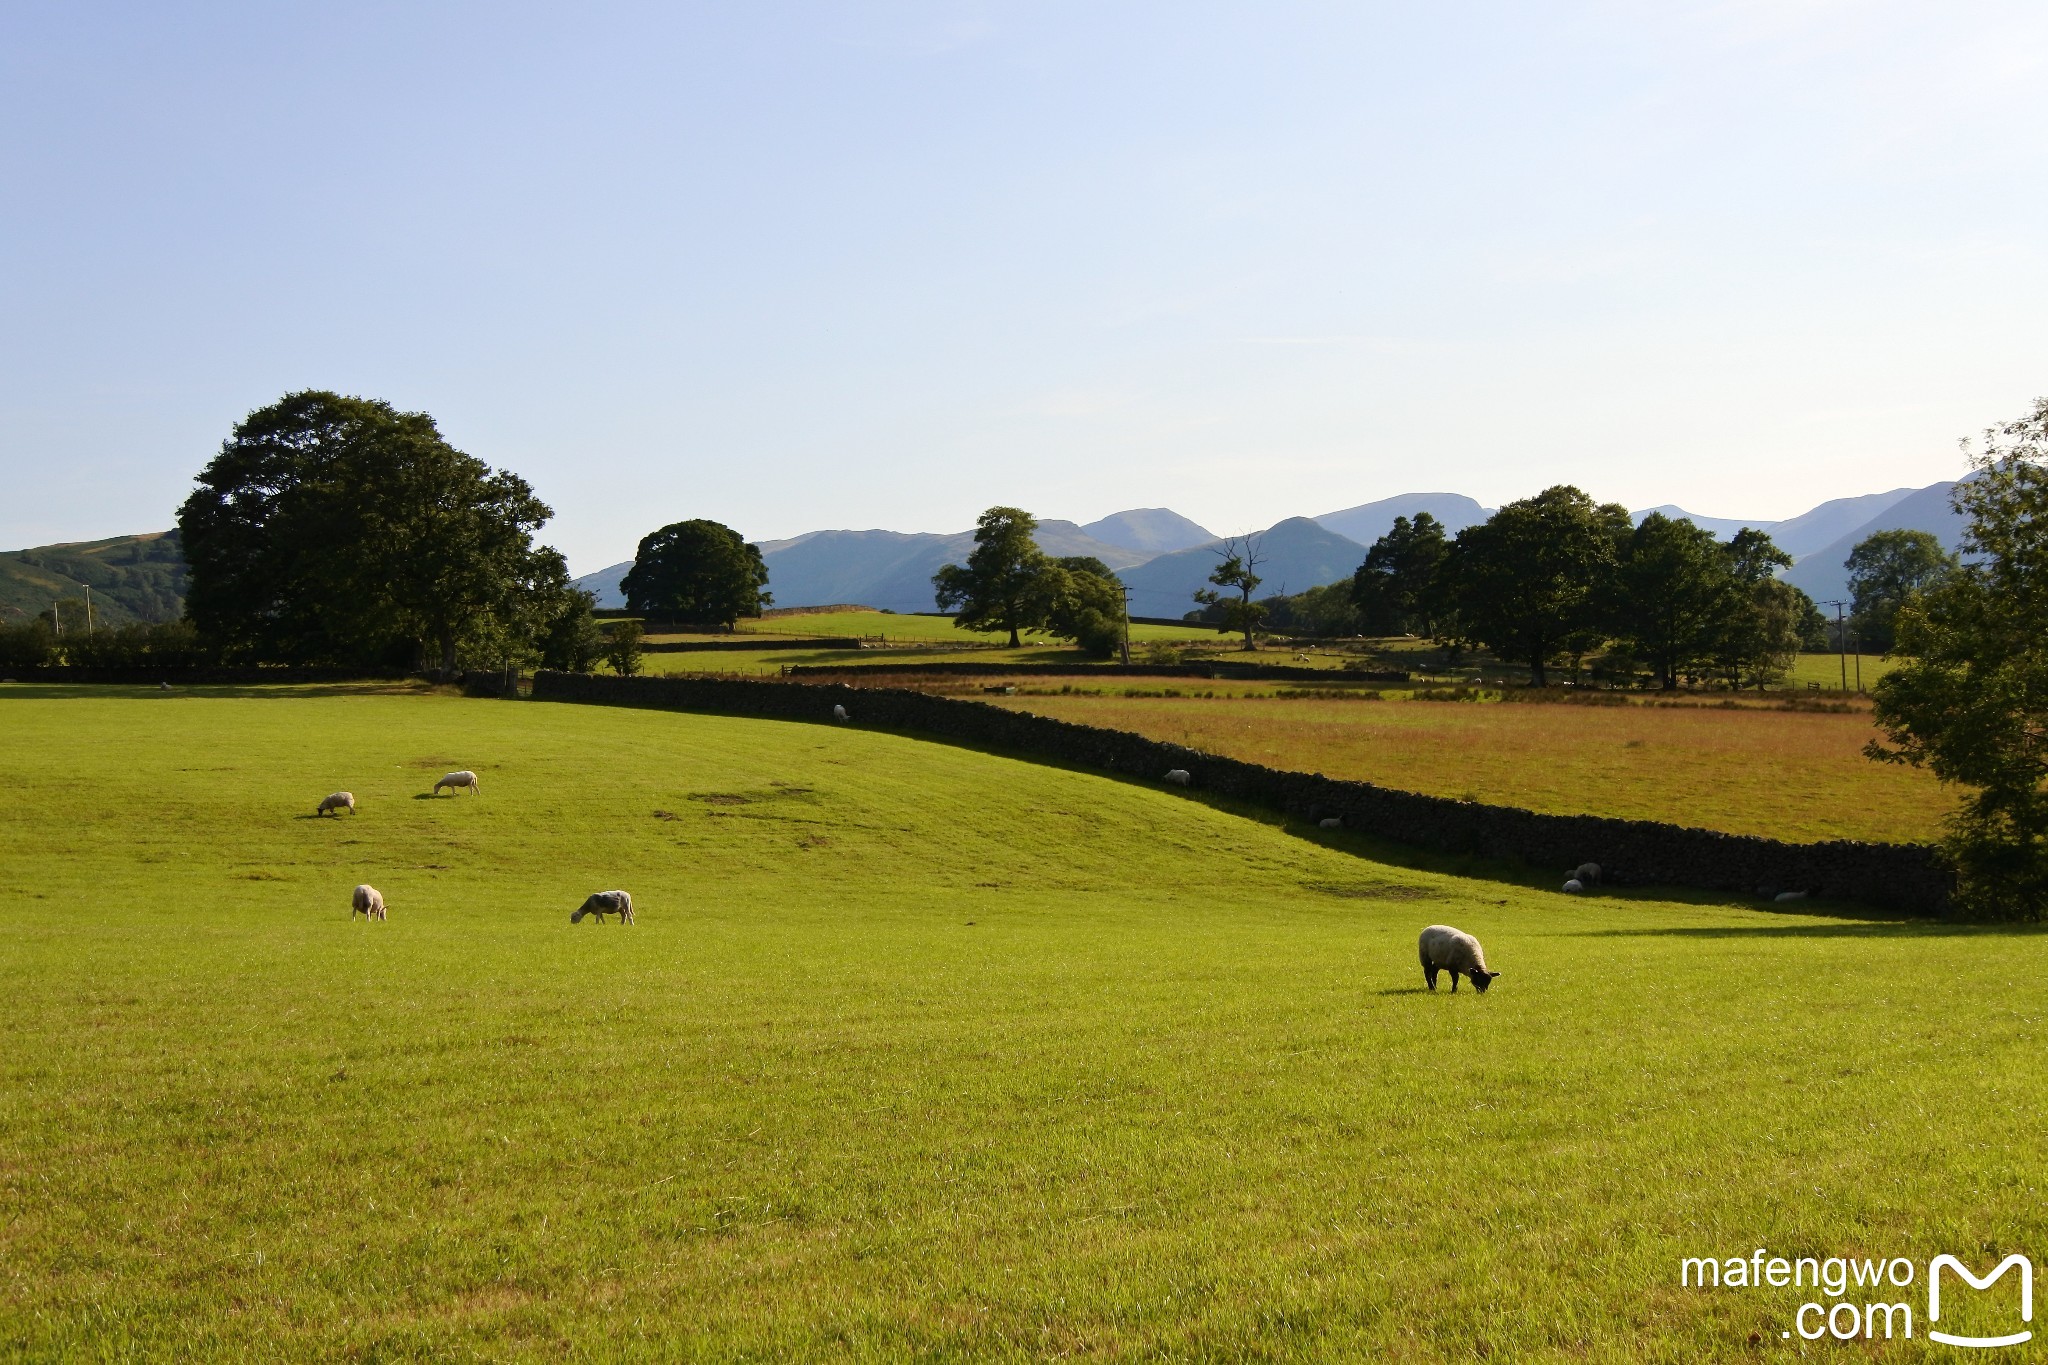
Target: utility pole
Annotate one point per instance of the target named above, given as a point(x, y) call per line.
point(57, 618)
point(1842, 644)
point(88, 607)
point(1127, 626)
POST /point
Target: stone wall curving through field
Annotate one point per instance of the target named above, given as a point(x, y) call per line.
point(1902, 877)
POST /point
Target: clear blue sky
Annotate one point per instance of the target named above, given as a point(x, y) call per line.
point(846, 264)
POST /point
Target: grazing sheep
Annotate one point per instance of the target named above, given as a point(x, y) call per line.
point(456, 781)
point(368, 902)
point(1303, 659)
point(1784, 896)
point(164, 686)
point(1452, 950)
point(839, 712)
point(1330, 822)
point(1588, 873)
point(1573, 886)
point(1180, 777)
point(602, 903)
point(338, 802)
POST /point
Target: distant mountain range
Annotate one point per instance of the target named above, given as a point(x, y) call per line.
point(1163, 556)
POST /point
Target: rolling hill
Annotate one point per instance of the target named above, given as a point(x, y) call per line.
point(133, 578)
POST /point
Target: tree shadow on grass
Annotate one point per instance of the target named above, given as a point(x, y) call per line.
point(1892, 928)
point(277, 691)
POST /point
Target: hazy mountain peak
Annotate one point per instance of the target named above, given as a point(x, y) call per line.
point(1721, 527)
point(1148, 531)
point(1369, 521)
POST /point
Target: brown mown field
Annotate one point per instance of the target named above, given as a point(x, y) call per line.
point(1798, 775)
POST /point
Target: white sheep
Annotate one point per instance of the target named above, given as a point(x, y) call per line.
point(1330, 822)
point(1455, 951)
point(1783, 896)
point(338, 802)
point(368, 902)
point(1573, 886)
point(456, 781)
point(1588, 874)
point(1180, 777)
point(839, 713)
point(602, 903)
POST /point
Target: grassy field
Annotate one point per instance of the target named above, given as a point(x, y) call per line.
point(915, 1052)
point(1747, 770)
point(901, 626)
point(767, 662)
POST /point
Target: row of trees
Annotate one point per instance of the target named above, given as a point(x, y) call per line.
point(1558, 577)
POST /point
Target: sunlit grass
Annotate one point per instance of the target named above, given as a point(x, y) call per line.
point(914, 1052)
point(1747, 770)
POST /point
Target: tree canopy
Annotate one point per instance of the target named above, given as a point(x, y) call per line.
point(1885, 569)
point(1089, 605)
point(1529, 580)
point(698, 571)
point(1008, 583)
point(339, 530)
point(1674, 590)
point(1399, 588)
point(1971, 702)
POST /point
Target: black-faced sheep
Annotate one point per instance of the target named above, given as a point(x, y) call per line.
point(368, 902)
point(456, 781)
point(1180, 777)
point(338, 802)
point(1452, 950)
point(602, 903)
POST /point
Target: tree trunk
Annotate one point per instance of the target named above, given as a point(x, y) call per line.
point(447, 655)
point(1537, 677)
point(1015, 643)
point(1247, 607)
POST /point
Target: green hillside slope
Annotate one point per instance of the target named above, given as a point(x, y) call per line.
point(915, 1053)
point(133, 578)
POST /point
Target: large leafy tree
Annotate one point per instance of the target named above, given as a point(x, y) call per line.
point(1971, 703)
point(1675, 591)
point(1007, 583)
point(1399, 588)
point(1535, 579)
point(339, 530)
point(1768, 619)
point(1089, 607)
point(1885, 569)
point(697, 571)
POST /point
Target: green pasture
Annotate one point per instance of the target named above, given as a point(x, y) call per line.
point(916, 1052)
point(768, 662)
point(895, 626)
